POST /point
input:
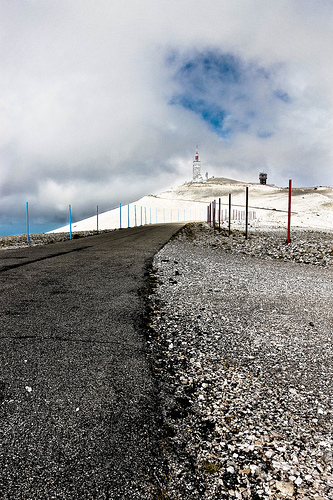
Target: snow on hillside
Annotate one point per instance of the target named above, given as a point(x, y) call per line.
point(311, 207)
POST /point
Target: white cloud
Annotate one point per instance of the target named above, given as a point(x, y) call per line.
point(85, 90)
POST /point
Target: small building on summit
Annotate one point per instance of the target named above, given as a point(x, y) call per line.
point(197, 168)
point(262, 178)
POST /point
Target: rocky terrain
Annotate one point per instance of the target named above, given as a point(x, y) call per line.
point(241, 341)
point(20, 241)
point(241, 347)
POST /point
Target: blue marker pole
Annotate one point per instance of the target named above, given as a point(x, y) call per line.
point(70, 221)
point(135, 221)
point(119, 215)
point(141, 216)
point(97, 217)
point(128, 221)
point(145, 215)
point(27, 210)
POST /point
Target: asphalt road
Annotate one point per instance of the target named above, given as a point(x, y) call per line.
point(79, 414)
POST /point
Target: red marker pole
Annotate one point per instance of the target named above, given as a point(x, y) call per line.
point(289, 212)
point(229, 214)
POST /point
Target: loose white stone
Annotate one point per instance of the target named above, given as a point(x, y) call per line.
point(284, 487)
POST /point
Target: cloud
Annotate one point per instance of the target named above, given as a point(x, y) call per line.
point(102, 102)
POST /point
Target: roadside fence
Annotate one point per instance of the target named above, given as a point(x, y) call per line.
point(138, 215)
point(216, 214)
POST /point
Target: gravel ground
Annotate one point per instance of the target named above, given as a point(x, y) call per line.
point(20, 241)
point(240, 338)
point(241, 341)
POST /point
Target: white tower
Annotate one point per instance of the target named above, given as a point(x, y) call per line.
point(197, 168)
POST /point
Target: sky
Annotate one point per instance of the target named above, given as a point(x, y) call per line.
point(103, 101)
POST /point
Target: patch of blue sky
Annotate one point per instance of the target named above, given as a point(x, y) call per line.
point(211, 66)
point(212, 114)
point(218, 86)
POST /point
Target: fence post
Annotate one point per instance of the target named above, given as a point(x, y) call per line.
point(27, 212)
point(229, 213)
point(289, 211)
point(219, 214)
point(70, 221)
point(246, 211)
